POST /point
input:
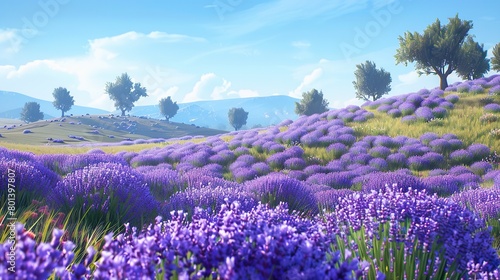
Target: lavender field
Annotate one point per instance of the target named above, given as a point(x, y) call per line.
point(393, 189)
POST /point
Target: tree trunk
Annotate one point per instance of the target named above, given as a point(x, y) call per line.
point(443, 81)
point(123, 113)
point(62, 115)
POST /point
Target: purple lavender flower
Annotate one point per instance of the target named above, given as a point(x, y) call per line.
point(453, 98)
point(395, 113)
point(481, 167)
point(492, 107)
point(476, 89)
point(439, 112)
point(384, 108)
point(275, 188)
point(479, 151)
point(440, 145)
point(463, 88)
point(443, 186)
point(407, 108)
point(409, 119)
point(337, 149)
point(424, 113)
point(430, 103)
point(396, 161)
point(336, 180)
point(380, 152)
point(378, 181)
point(261, 168)
point(106, 187)
point(433, 160)
point(461, 157)
point(495, 90)
point(295, 163)
point(414, 99)
point(379, 164)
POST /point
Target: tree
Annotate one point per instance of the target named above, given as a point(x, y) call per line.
point(495, 61)
point(312, 103)
point(125, 93)
point(371, 82)
point(168, 108)
point(237, 117)
point(437, 50)
point(31, 112)
point(472, 62)
point(62, 100)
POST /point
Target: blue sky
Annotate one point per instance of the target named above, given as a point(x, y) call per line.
point(215, 49)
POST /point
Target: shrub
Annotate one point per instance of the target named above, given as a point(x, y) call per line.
point(109, 190)
point(407, 108)
point(488, 118)
point(397, 180)
point(479, 151)
point(274, 188)
point(424, 113)
point(395, 113)
point(396, 161)
point(439, 112)
point(492, 107)
point(461, 157)
point(380, 152)
point(295, 163)
point(337, 149)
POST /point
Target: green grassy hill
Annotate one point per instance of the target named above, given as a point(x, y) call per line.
point(96, 129)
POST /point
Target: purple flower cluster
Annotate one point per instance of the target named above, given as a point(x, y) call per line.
point(414, 215)
point(424, 105)
point(110, 188)
point(233, 244)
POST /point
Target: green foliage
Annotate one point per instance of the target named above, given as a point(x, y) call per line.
point(31, 112)
point(237, 117)
point(436, 51)
point(472, 62)
point(312, 103)
point(62, 100)
point(385, 254)
point(124, 93)
point(168, 108)
point(371, 82)
point(495, 61)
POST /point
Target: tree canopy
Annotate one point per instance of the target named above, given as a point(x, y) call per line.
point(312, 102)
point(495, 61)
point(472, 62)
point(237, 117)
point(168, 109)
point(371, 82)
point(438, 50)
point(62, 100)
point(31, 112)
point(125, 93)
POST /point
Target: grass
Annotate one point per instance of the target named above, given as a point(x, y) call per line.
point(463, 121)
point(105, 125)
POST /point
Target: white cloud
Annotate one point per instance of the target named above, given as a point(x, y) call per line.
point(408, 78)
point(282, 12)
point(212, 87)
point(208, 87)
point(306, 82)
point(301, 44)
point(10, 42)
point(243, 93)
point(86, 75)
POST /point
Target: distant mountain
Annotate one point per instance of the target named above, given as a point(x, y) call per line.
point(12, 103)
point(263, 111)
